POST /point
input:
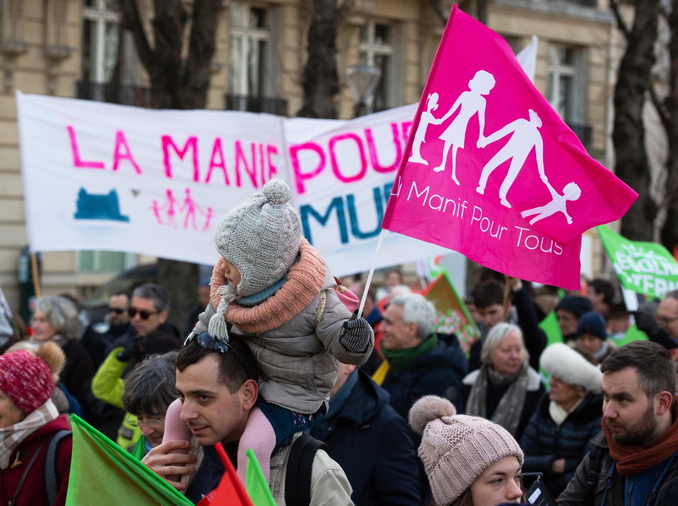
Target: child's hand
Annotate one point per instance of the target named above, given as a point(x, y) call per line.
point(356, 334)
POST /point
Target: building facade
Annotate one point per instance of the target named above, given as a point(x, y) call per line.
point(78, 48)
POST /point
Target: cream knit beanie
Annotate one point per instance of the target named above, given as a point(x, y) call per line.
point(261, 237)
point(456, 449)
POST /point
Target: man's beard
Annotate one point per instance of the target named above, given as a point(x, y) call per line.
point(639, 434)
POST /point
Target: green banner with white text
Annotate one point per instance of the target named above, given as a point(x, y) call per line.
point(644, 267)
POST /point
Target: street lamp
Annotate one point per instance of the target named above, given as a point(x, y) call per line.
point(362, 81)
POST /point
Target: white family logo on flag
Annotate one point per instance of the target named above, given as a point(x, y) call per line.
point(524, 138)
point(507, 149)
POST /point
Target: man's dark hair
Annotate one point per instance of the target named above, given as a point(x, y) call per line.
point(232, 373)
point(150, 388)
point(155, 292)
point(604, 287)
point(121, 292)
point(656, 371)
point(673, 294)
point(489, 293)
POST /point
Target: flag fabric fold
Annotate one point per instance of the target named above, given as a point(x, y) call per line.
point(492, 171)
point(104, 474)
point(257, 487)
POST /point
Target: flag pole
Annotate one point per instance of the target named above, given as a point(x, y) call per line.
point(369, 276)
point(36, 277)
point(507, 297)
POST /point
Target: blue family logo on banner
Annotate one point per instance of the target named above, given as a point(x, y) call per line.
point(110, 177)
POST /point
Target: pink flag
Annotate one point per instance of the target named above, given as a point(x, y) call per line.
point(493, 172)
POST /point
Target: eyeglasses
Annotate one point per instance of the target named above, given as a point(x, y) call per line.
point(117, 310)
point(205, 340)
point(143, 314)
point(153, 422)
point(663, 320)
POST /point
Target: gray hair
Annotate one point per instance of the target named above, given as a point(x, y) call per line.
point(61, 314)
point(155, 292)
point(417, 309)
point(496, 336)
point(150, 388)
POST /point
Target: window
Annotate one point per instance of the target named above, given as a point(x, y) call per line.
point(566, 83)
point(566, 87)
point(104, 261)
point(249, 70)
point(100, 41)
point(376, 48)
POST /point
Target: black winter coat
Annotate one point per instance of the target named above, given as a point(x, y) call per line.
point(370, 442)
point(543, 442)
point(436, 372)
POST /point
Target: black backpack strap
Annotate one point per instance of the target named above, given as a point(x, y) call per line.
point(299, 468)
point(14, 498)
point(595, 458)
point(51, 478)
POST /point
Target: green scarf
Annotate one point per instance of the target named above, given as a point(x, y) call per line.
point(399, 360)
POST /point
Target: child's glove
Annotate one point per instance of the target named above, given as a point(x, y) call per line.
point(356, 334)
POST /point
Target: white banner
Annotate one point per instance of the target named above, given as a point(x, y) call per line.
point(109, 177)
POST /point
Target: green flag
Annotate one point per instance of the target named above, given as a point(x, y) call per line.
point(257, 488)
point(551, 328)
point(643, 267)
point(139, 450)
point(104, 474)
point(632, 334)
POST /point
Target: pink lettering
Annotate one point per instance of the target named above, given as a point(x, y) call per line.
point(191, 143)
point(406, 125)
point(217, 152)
point(77, 161)
point(299, 176)
point(240, 158)
point(372, 148)
point(335, 164)
point(122, 152)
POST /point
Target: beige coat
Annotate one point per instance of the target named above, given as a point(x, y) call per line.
point(329, 484)
point(299, 360)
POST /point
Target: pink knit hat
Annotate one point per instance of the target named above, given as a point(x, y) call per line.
point(456, 449)
point(26, 380)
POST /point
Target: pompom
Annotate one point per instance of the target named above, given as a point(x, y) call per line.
point(53, 356)
point(427, 409)
point(277, 191)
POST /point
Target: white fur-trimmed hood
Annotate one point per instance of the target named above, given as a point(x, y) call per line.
point(570, 367)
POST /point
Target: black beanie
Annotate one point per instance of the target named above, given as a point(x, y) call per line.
point(575, 305)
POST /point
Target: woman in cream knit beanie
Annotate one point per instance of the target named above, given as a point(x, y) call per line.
point(469, 461)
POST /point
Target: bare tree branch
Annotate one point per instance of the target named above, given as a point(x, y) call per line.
point(201, 49)
point(132, 20)
point(660, 106)
point(621, 24)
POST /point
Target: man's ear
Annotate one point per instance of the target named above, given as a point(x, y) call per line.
point(249, 392)
point(162, 316)
point(664, 401)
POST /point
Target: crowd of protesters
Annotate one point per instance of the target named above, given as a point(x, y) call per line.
point(415, 420)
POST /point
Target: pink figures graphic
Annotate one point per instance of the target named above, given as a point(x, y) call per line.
point(469, 103)
point(190, 206)
point(426, 119)
point(557, 204)
point(156, 211)
point(524, 138)
point(208, 218)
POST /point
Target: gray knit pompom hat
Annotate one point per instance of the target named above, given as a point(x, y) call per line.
point(456, 449)
point(261, 237)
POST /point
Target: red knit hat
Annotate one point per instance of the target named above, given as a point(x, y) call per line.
point(26, 380)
